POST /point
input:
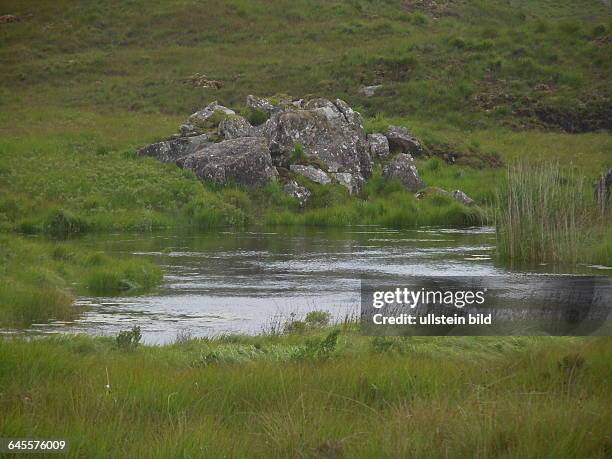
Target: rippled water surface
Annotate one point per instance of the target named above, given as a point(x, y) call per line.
point(228, 282)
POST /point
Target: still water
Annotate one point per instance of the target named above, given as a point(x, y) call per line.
point(229, 282)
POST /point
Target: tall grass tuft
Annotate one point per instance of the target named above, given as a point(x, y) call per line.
point(542, 214)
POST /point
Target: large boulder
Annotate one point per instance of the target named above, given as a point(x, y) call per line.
point(170, 151)
point(402, 167)
point(245, 161)
point(236, 126)
point(402, 141)
point(311, 173)
point(201, 117)
point(378, 145)
point(330, 132)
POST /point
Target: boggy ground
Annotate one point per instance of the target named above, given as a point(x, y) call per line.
point(312, 394)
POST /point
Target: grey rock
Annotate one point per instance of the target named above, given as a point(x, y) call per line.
point(352, 182)
point(402, 167)
point(236, 126)
point(330, 132)
point(462, 197)
point(259, 103)
point(188, 130)
point(401, 140)
point(201, 116)
point(378, 145)
point(301, 193)
point(170, 151)
point(311, 173)
point(245, 161)
point(369, 91)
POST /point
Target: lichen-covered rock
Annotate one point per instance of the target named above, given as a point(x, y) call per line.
point(189, 130)
point(311, 173)
point(379, 146)
point(402, 167)
point(236, 126)
point(245, 161)
point(353, 183)
point(259, 103)
point(402, 141)
point(170, 151)
point(301, 193)
point(201, 117)
point(462, 197)
point(330, 132)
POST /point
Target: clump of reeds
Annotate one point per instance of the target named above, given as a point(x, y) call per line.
point(543, 214)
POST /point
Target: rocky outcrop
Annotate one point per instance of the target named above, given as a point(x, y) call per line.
point(378, 145)
point(245, 161)
point(402, 168)
point(301, 193)
point(330, 136)
point(170, 151)
point(329, 132)
point(311, 173)
point(402, 141)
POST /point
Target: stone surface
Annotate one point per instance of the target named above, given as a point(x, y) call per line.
point(311, 173)
point(402, 141)
point(462, 197)
point(236, 126)
point(378, 145)
point(329, 131)
point(202, 116)
point(172, 150)
point(301, 193)
point(402, 167)
point(353, 183)
point(260, 103)
point(245, 161)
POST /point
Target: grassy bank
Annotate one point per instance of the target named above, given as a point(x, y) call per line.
point(39, 278)
point(266, 397)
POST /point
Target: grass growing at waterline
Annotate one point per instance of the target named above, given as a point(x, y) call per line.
point(320, 394)
point(38, 279)
point(546, 213)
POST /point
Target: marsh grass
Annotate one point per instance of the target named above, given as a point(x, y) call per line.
point(252, 397)
point(546, 213)
point(39, 279)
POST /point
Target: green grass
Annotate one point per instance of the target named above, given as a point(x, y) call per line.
point(545, 213)
point(262, 397)
point(39, 279)
point(82, 93)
